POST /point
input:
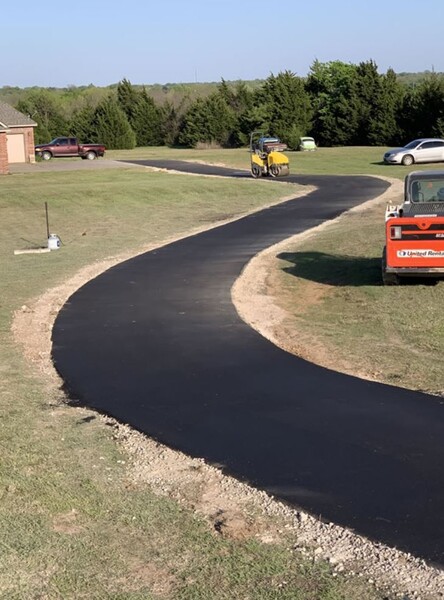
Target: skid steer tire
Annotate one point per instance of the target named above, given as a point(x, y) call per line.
point(388, 278)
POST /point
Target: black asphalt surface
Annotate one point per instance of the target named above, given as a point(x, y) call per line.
point(156, 342)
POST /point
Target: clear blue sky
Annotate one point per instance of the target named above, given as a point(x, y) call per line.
point(78, 42)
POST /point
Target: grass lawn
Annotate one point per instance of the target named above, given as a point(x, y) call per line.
point(70, 525)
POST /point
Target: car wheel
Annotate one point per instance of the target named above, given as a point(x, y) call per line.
point(256, 171)
point(91, 155)
point(46, 155)
point(407, 160)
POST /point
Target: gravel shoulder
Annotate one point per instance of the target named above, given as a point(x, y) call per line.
point(232, 508)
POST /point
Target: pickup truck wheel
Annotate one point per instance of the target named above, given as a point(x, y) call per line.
point(90, 155)
point(46, 155)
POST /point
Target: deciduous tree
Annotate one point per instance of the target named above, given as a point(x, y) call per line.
point(45, 109)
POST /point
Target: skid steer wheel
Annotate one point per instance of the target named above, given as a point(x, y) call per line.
point(275, 170)
point(388, 278)
point(256, 171)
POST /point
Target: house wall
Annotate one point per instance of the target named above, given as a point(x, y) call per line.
point(28, 140)
point(4, 168)
point(29, 144)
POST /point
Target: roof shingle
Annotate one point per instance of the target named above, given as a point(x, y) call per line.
point(10, 117)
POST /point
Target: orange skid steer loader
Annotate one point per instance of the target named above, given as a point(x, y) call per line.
point(415, 230)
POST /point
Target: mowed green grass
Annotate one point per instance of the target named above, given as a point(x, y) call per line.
point(71, 526)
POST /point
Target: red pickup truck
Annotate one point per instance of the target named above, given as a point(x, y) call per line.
point(67, 146)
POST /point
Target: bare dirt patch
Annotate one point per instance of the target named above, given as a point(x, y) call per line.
point(67, 523)
point(232, 508)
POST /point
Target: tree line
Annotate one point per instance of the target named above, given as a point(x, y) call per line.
point(340, 104)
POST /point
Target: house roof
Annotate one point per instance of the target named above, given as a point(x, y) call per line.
point(10, 117)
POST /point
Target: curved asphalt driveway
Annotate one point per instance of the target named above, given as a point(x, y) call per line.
point(156, 342)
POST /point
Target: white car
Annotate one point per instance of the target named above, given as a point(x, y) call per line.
point(307, 143)
point(419, 151)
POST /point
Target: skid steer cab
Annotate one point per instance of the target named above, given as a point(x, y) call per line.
point(267, 156)
point(414, 230)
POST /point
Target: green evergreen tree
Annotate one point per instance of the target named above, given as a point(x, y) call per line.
point(147, 121)
point(332, 87)
point(112, 127)
point(423, 108)
point(240, 102)
point(252, 119)
point(227, 93)
point(171, 123)
point(83, 125)
point(409, 117)
point(431, 108)
point(368, 90)
point(128, 98)
point(383, 127)
point(287, 105)
point(222, 122)
point(208, 121)
point(439, 127)
point(193, 126)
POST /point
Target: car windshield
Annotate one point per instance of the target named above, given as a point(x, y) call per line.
point(427, 190)
point(413, 144)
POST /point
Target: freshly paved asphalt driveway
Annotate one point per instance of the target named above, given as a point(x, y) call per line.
point(156, 342)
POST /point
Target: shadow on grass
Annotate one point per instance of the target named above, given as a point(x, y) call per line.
point(333, 269)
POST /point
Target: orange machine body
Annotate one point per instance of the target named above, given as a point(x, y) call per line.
point(415, 243)
point(414, 230)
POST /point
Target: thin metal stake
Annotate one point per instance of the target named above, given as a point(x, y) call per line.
point(47, 220)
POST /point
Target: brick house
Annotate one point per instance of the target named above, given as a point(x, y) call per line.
point(16, 137)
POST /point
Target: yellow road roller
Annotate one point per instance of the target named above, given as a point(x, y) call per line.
point(267, 156)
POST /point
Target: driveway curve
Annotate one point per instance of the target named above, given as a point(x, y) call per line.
point(157, 343)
